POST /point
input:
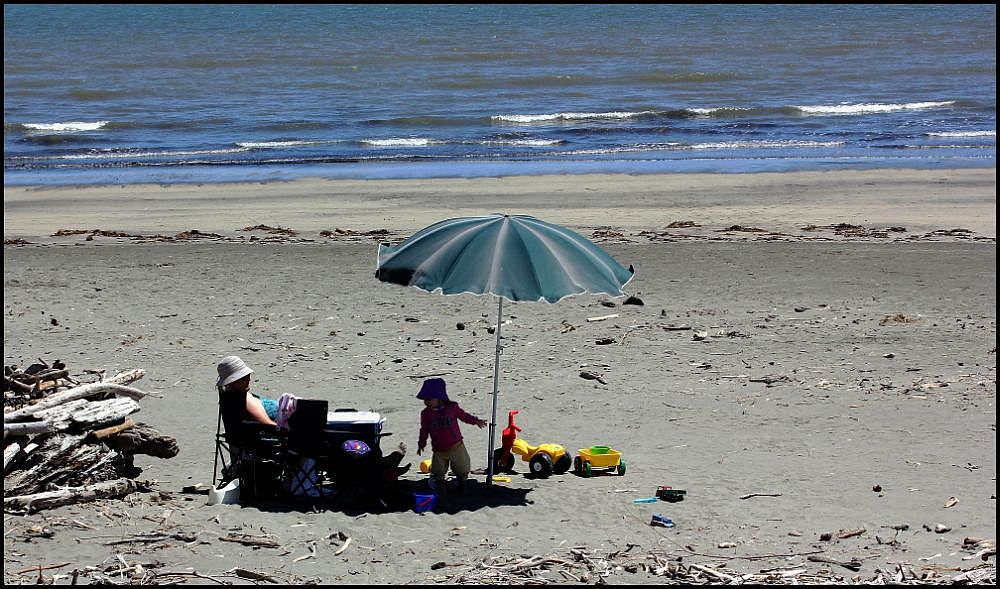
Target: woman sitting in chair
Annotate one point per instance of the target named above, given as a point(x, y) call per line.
point(245, 413)
point(250, 437)
point(234, 379)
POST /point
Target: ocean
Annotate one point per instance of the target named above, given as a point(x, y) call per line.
point(122, 93)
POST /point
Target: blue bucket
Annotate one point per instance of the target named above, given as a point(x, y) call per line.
point(424, 502)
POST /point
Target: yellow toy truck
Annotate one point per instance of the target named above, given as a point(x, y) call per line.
point(543, 460)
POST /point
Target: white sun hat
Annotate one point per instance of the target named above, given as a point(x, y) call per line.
point(231, 369)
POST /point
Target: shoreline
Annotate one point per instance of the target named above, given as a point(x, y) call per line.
point(918, 200)
point(462, 170)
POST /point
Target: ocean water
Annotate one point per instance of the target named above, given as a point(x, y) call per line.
point(207, 93)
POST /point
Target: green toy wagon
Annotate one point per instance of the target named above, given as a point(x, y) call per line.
point(598, 457)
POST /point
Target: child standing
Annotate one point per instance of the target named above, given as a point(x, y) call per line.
point(439, 420)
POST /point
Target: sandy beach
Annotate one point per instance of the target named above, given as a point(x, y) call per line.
point(815, 355)
point(918, 200)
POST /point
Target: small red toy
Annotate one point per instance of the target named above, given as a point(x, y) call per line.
point(503, 458)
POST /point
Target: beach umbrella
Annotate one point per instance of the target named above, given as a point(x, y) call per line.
point(513, 257)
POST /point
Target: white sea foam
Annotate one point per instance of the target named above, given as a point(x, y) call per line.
point(398, 142)
point(764, 144)
point(868, 108)
point(66, 127)
point(525, 142)
point(992, 133)
point(123, 154)
point(675, 146)
point(568, 116)
point(279, 144)
point(708, 111)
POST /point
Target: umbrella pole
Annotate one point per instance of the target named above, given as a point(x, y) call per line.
point(496, 390)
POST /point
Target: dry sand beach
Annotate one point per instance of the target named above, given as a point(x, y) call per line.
point(814, 363)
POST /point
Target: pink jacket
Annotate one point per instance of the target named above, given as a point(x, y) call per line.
point(442, 426)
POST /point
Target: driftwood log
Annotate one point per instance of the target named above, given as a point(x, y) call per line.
point(15, 451)
point(142, 439)
point(27, 428)
point(81, 392)
point(73, 442)
point(78, 413)
point(68, 495)
point(59, 460)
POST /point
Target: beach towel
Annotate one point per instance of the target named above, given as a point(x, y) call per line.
point(286, 408)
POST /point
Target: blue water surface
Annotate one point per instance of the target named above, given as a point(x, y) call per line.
point(207, 93)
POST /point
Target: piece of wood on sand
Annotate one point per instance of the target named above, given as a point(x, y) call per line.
point(143, 439)
point(248, 540)
point(68, 495)
point(80, 392)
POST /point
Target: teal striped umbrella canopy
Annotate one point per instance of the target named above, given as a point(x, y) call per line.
point(517, 257)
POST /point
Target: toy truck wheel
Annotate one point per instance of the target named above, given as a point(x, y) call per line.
point(587, 471)
point(621, 468)
point(500, 464)
point(562, 465)
point(541, 465)
point(577, 464)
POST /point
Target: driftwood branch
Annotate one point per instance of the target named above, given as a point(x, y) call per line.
point(854, 564)
point(85, 494)
point(11, 453)
point(101, 434)
point(28, 428)
point(253, 575)
point(41, 568)
point(16, 385)
point(17, 451)
point(749, 495)
point(712, 572)
point(248, 540)
point(80, 392)
point(154, 537)
point(602, 317)
point(127, 377)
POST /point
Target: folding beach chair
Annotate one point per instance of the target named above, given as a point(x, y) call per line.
point(226, 452)
point(250, 451)
point(307, 450)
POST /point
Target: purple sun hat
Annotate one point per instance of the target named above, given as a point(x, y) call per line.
point(433, 388)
